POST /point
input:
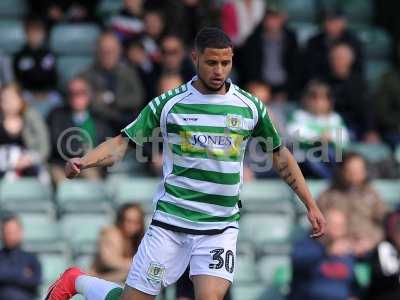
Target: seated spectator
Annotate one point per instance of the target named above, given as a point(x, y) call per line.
point(387, 106)
point(65, 10)
point(348, 90)
point(64, 122)
point(154, 30)
point(318, 130)
point(385, 263)
point(24, 139)
point(118, 91)
point(35, 69)
point(6, 70)
point(174, 59)
point(318, 47)
point(257, 163)
point(145, 66)
point(118, 244)
point(324, 268)
point(129, 24)
point(154, 152)
point(271, 54)
point(185, 288)
point(20, 271)
point(240, 18)
point(351, 192)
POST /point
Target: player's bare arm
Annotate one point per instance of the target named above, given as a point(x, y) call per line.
point(288, 169)
point(104, 155)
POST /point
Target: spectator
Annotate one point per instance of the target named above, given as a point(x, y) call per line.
point(35, 69)
point(76, 114)
point(385, 263)
point(271, 54)
point(20, 271)
point(174, 59)
point(65, 10)
point(6, 70)
point(24, 140)
point(348, 89)
point(118, 244)
point(240, 18)
point(324, 269)
point(318, 129)
point(387, 106)
point(129, 24)
point(334, 31)
point(154, 31)
point(352, 193)
point(166, 82)
point(143, 63)
point(118, 92)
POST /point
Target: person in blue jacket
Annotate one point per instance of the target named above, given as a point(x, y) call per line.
point(324, 269)
point(20, 271)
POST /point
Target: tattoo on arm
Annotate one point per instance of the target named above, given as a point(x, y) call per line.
point(98, 162)
point(287, 175)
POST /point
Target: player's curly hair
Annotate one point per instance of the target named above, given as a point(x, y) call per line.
point(212, 37)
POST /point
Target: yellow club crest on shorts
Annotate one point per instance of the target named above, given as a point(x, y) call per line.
point(155, 272)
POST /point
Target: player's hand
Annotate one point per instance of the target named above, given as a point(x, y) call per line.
point(73, 167)
point(317, 221)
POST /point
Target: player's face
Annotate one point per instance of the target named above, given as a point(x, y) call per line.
point(213, 67)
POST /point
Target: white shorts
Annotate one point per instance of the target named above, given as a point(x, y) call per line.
point(164, 255)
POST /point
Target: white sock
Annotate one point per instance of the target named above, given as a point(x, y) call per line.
point(93, 288)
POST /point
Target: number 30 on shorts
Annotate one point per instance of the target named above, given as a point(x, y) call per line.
point(220, 261)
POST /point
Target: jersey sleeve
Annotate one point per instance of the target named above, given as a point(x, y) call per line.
point(266, 130)
point(141, 130)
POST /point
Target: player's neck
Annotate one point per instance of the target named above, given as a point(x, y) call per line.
point(203, 89)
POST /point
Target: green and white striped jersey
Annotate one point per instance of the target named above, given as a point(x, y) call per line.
point(204, 140)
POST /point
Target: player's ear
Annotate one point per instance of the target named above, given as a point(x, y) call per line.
point(195, 57)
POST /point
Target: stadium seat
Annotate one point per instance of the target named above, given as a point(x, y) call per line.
point(82, 231)
point(74, 39)
point(358, 11)
point(389, 190)
point(13, 8)
point(70, 66)
point(41, 233)
point(397, 154)
point(245, 269)
point(267, 196)
point(53, 265)
point(266, 230)
point(139, 190)
point(250, 291)
point(301, 10)
point(376, 42)
point(12, 36)
point(107, 8)
point(316, 186)
point(268, 267)
point(374, 153)
point(82, 196)
point(375, 70)
point(84, 262)
point(304, 31)
point(26, 195)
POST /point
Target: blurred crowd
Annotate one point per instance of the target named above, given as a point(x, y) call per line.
point(316, 90)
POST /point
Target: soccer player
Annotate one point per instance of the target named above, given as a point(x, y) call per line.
point(205, 125)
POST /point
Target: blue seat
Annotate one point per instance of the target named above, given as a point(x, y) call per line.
point(70, 66)
point(74, 39)
point(13, 8)
point(301, 10)
point(26, 195)
point(12, 36)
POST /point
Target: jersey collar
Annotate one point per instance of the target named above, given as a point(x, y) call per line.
point(195, 91)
